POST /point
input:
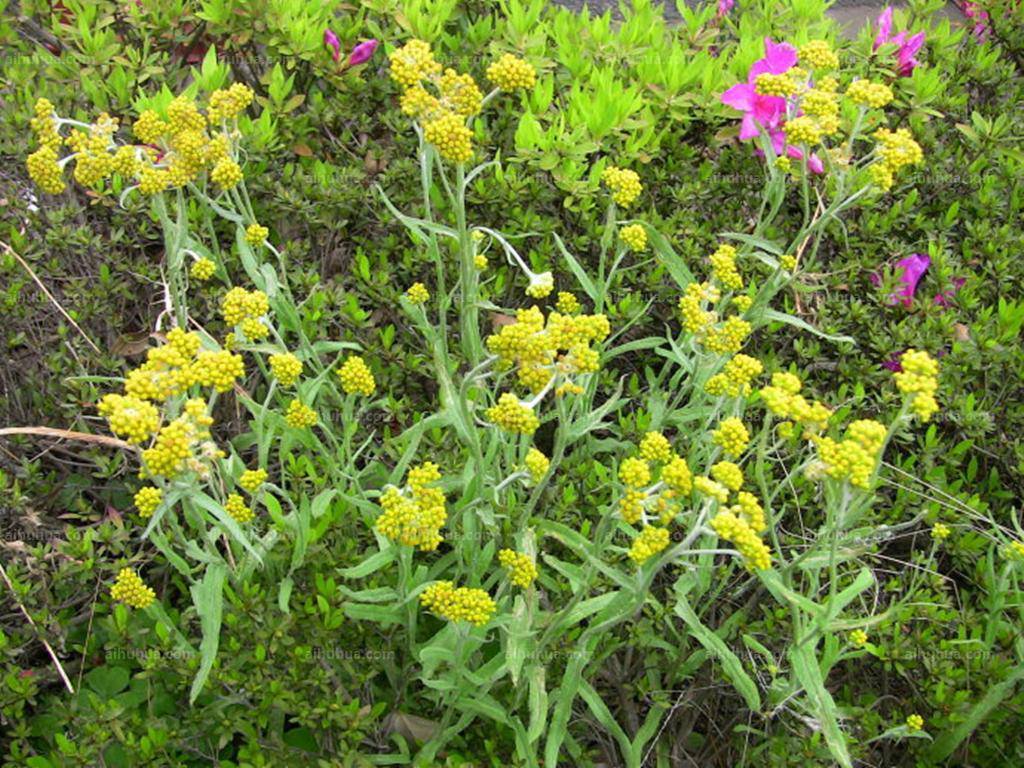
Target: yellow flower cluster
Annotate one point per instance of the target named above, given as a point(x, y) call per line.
point(818, 54)
point(175, 448)
point(418, 293)
point(940, 531)
point(914, 723)
point(415, 515)
point(510, 72)
point(895, 150)
point(855, 456)
point(735, 377)
point(869, 94)
point(286, 368)
point(920, 379)
point(147, 499)
point(540, 348)
point(655, 447)
point(444, 599)
point(723, 265)
point(181, 148)
point(731, 436)
point(256, 234)
point(130, 417)
point(450, 136)
point(634, 236)
point(441, 102)
point(768, 84)
point(238, 509)
point(756, 554)
point(1015, 551)
point(537, 464)
point(657, 479)
point(858, 637)
point(650, 541)
point(251, 479)
point(803, 130)
point(512, 415)
point(728, 474)
point(788, 262)
point(691, 306)
point(227, 104)
point(624, 185)
point(567, 303)
point(356, 377)
point(169, 369)
point(245, 310)
point(783, 399)
point(541, 285)
point(130, 589)
point(202, 269)
point(299, 415)
point(522, 571)
point(712, 489)
point(727, 338)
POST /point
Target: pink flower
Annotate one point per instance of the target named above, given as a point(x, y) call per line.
point(906, 47)
point(331, 41)
point(911, 269)
point(362, 52)
point(760, 111)
point(945, 298)
point(767, 113)
point(724, 6)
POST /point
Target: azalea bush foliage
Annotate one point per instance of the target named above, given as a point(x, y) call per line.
point(454, 436)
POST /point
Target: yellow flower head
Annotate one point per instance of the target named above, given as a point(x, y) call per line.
point(286, 368)
point(443, 599)
point(634, 236)
point(238, 509)
point(818, 54)
point(414, 515)
point(635, 472)
point(413, 62)
point(914, 723)
point(522, 571)
point(510, 72)
point(858, 637)
point(202, 269)
point(756, 555)
point(131, 590)
point(251, 479)
point(418, 293)
point(731, 436)
point(536, 464)
point(624, 185)
point(256, 234)
point(650, 541)
point(356, 377)
point(451, 137)
point(147, 499)
point(300, 415)
point(512, 415)
point(655, 447)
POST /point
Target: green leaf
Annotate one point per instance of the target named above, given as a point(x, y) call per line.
point(369, 565)
point(731, 664)
point(578, 271)
point(772, 316)
point(819, 701)
point(947, 743)
point(208, 598)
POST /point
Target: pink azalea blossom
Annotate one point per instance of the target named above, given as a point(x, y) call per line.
point(906, 47)
point(362, 52)
point(724, 6)
point(767, 113)
point(331, 41)
point(909, 273)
